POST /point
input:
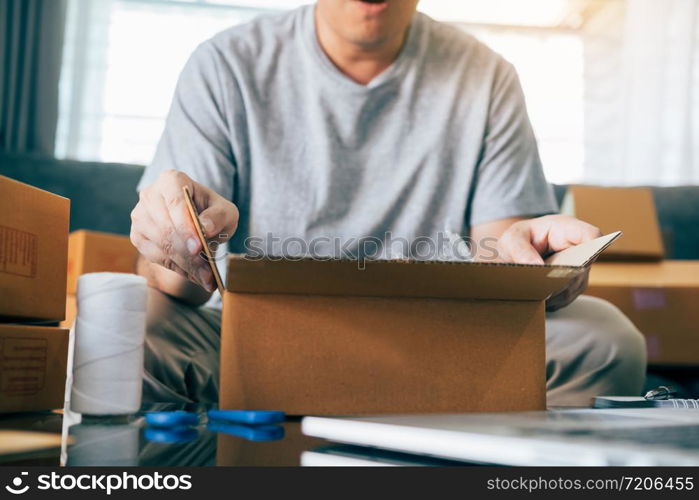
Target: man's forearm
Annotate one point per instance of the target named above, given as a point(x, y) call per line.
point(171, 283)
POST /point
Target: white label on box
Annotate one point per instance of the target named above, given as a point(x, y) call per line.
point(560, 273)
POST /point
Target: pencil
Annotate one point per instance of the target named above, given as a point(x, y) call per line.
point(200, 232)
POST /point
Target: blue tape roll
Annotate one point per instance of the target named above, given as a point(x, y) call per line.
point(248, 417)
point(177, 418)
point(249, 433)
point(170, 435)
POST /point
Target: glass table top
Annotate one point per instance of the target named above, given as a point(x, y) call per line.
point(130, 441)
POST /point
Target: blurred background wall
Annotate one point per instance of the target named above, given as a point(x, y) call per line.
point(611, 85)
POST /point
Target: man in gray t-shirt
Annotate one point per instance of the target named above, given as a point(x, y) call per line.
point(354, 121)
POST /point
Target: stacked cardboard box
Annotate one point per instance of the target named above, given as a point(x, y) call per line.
point(662, 300)
point(630, 210)
point(33, 263)
point(659, 296)
point(94, 252)
point(32, 367)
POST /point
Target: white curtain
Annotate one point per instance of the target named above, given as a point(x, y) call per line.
point(83, 77)
point(121, 62)
point(649, 131)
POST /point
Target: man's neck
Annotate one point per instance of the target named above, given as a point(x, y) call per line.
point(361, 64)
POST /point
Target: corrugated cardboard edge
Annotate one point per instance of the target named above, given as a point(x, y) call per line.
point(385, 278)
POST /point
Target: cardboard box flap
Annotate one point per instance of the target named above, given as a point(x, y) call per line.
point(454, 280)
point(583, 254)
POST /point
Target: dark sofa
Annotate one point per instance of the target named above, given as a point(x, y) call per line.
point(103, 194)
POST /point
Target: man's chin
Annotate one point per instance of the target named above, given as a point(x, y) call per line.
point(369, 45)
point(370, 37)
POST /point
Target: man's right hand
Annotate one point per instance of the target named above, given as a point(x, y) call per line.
point(163, 232)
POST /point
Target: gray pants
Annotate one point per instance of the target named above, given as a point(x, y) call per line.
point(591, 348)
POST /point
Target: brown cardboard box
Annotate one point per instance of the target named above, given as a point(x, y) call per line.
point(662, 299)
point(95, 252)
point(32, 367)
point(33, 252)
point(325, 337)
point(631, 210)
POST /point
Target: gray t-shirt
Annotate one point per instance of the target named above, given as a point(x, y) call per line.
point(438, 143)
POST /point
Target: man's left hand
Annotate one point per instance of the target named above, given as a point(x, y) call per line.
point(530, 241)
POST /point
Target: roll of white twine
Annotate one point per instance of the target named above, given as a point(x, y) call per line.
point(109, 333)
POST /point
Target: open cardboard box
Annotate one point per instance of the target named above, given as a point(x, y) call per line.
point(326, 337)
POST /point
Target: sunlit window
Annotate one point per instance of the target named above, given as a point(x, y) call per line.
point(122, 59)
